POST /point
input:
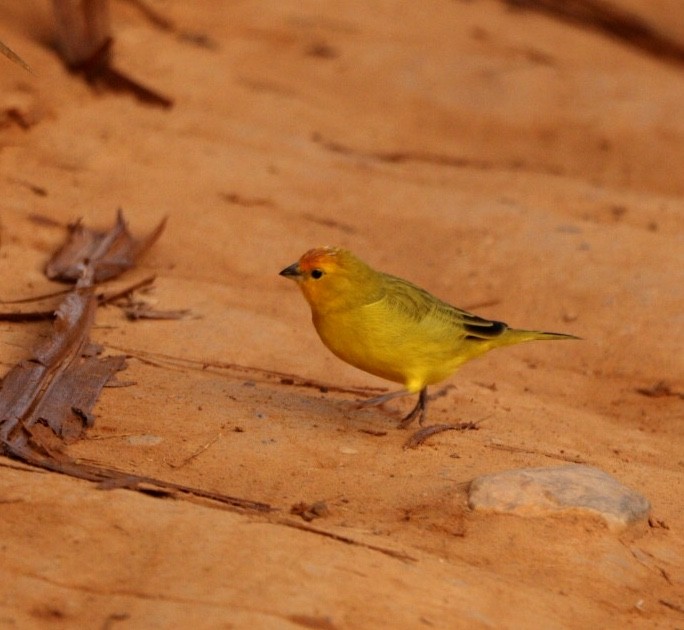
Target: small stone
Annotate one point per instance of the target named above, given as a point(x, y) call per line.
point(546, 491)
point(311, 511)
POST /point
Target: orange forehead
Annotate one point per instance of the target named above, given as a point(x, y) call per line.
point(319, 257)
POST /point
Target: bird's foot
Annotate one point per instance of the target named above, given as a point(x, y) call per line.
point(419, 411)
point(381, 400)
point(410, 417)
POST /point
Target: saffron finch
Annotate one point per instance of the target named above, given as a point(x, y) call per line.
point(391, 328)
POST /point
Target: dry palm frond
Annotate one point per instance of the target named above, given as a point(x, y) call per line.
point(10, 54)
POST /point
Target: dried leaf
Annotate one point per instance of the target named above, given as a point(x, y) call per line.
point(59, 385)
point(108, 254)
point(48, 399)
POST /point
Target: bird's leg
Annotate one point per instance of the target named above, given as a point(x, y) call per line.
point(419, 410)
point(380, 400)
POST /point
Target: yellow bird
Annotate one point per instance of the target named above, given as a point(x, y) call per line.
point(391, 328)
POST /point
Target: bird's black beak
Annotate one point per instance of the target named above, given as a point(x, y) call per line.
point(292, 271)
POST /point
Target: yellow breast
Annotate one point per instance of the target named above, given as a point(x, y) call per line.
point(399, 349)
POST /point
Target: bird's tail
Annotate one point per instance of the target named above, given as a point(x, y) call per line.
point(513, 335)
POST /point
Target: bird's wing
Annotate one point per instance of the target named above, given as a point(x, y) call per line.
point(416, 304)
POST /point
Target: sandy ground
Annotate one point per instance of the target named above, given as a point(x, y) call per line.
point(511, 163)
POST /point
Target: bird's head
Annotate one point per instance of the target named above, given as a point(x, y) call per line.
point(332, 278)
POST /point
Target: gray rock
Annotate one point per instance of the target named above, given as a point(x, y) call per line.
point(544, 491)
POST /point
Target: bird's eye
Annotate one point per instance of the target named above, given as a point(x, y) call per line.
point(316, 273)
